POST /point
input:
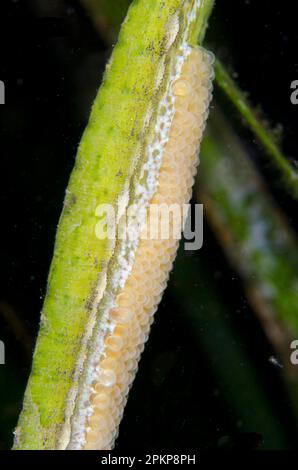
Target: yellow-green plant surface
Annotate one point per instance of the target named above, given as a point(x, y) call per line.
point(107, 158)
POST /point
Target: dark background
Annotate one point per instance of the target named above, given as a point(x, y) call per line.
point(51, 60)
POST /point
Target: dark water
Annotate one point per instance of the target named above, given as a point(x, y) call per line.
point(184, 396)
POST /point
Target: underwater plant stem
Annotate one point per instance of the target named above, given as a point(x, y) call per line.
point(109, 154)
point(223, 80)
point(201, 25)
point(204, 314)
point(107, 17)
point(221, 204)
point(252, 232)
point(229, 87)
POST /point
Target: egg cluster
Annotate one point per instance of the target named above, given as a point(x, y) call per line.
point(138, 300)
